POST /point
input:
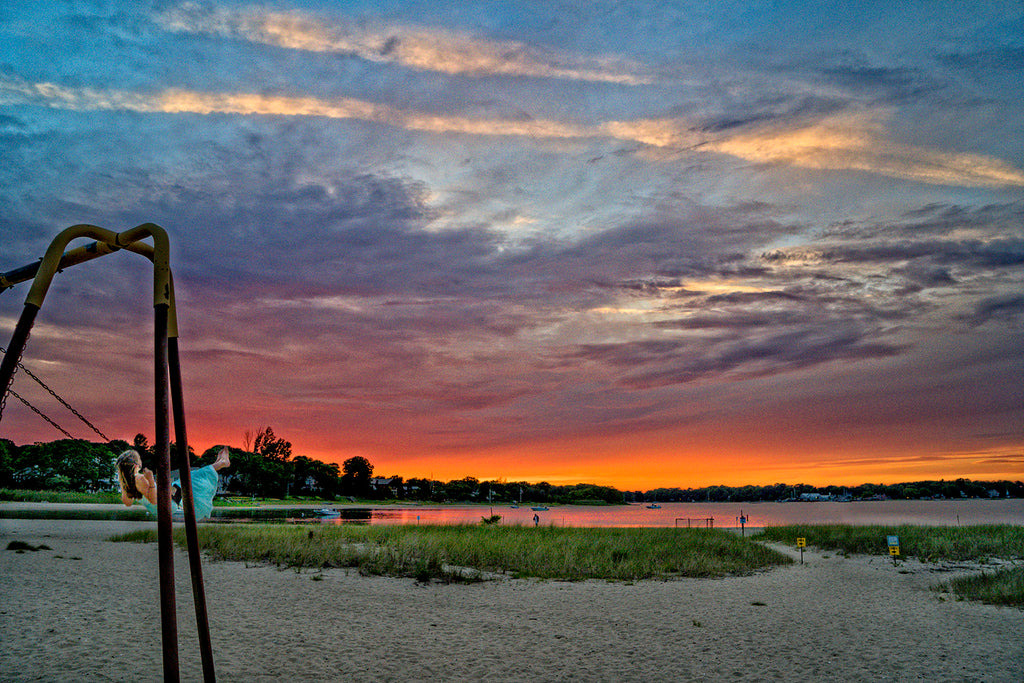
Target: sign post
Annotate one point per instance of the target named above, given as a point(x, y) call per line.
point(894, 547)
point(801, 543)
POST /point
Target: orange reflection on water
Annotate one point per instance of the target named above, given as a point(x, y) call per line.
point(724, 515)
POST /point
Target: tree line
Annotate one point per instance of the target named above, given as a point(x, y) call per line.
point(943, 488)
point(266, 468)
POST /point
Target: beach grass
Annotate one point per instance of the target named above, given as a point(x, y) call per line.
point(473, 552)
point(1001, 587)
point(926, 543)
point(28, 496)
point(138, 536)
point(982, 543)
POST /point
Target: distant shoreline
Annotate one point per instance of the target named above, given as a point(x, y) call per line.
point(718, 515)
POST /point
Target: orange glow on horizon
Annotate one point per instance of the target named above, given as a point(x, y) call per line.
point(637, 466)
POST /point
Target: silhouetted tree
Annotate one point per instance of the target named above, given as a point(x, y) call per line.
point(252, 474)
point(356, 473)
point(269, 446)
point(466, 488)
point(141, 445)
point(313, 477)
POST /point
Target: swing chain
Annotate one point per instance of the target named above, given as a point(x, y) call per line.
point(39, 413)
point(54, 394)
point(3, 399)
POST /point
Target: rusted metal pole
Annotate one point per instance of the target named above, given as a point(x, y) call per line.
point(168, 610)
point(17, 346)
point(188, 504)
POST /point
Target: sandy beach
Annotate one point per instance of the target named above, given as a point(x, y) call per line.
point(88, 610)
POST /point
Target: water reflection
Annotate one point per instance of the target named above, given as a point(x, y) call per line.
point(287, 514)
point(718, 515)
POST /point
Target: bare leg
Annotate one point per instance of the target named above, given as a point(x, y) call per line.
point(223, 459)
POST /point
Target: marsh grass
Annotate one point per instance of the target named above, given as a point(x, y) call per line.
point(472, 552)
point(926, 543)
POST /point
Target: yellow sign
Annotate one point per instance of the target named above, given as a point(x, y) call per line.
point(801, 542)
point(894, 550)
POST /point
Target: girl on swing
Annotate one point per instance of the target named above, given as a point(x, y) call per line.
point(138, 483)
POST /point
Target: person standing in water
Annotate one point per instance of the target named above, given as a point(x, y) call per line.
point(139, 484)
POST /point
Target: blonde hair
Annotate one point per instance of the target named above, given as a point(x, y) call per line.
point(127, 464)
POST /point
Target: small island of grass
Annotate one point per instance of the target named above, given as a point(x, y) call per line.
point(461, 552)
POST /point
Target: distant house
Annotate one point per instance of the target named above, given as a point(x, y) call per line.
point(385, 484)
point(814, 497)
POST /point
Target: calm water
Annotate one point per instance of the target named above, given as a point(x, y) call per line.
point(725, 515)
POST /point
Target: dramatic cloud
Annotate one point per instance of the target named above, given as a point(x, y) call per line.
point(853, 143)
point(504, 242)
point(834, 144)
point(425, 49)
point(652, 364)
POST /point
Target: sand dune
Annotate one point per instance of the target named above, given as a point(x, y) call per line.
point(88, 610)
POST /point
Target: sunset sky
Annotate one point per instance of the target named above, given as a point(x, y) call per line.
point(632, 243)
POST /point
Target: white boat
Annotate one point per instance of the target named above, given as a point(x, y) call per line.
point(328, 513)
